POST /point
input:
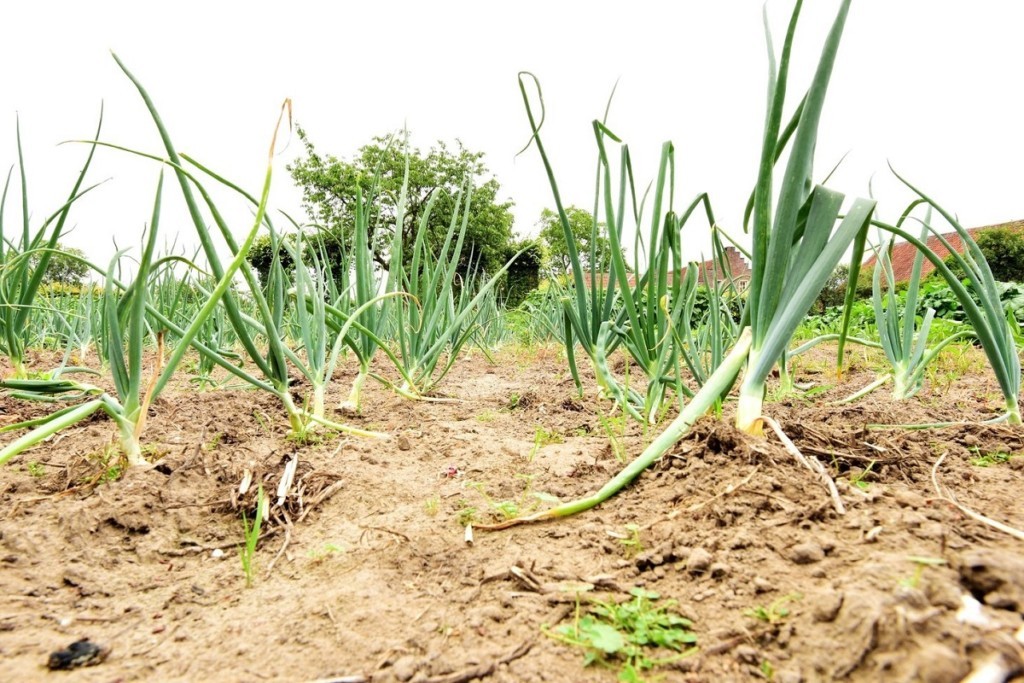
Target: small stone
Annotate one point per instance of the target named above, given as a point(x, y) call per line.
point(913, 520)
point(788, 676)
point(699, 561)
point(940, 664)
point(1016, 462)
point(785, 635)
point(930, 530)
point(405, 668)
point(492, 612)
point(943, 594)
point(748, 655)
point(806, 553)
point(909, 499)
point(403, 443)
point(911, 596)
point(763, 585)
point(719, 569)
point(826, 606)
point(997, 576)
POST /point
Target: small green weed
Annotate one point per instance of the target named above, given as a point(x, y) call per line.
point(767, 670)
point(432, 505)
point(467, 513)
point(35, 468)
point(988, 459)
point(509, 509)
point(632, 545)
point(773, 613)
point(544, 437)
point(214, 442)
point(920, 564)
point(323, 552)
point(627, 636)
point(858, 479)
point(247, 553)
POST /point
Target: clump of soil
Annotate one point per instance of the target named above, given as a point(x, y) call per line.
point(363, 571)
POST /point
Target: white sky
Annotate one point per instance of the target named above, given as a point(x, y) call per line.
point(935, 86)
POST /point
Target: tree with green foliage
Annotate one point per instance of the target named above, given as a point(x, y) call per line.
point(523, 274)
point(330, 187)
point(581, 224)
point(66, 267)
point(1004, 250)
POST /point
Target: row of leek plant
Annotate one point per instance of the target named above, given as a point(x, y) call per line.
point(979, 297)
point(125, 310)
point(268, 319)
point(23, 263)
point(793, 253)
point(421, 303)
point(428, 314)
point(650, 313)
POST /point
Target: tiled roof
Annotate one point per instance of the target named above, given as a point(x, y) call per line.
point(738, 268)
point(903, 253)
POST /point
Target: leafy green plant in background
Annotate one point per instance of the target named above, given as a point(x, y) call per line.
point(330, 187)
point(628, 636)
point(25, 261)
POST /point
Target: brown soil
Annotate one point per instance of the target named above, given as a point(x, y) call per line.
point(364, 572)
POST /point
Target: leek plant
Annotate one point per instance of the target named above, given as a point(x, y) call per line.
point(897, 325)
point(704, 338)
point(433, 321)
point(22, 272)
point(372, 321)
point(792, 256)
point(992, 329)
point(269, 321)
point(795, 251)
point(125, 316)
point(638, 314)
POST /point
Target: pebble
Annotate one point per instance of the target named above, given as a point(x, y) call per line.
point(806, 553)
point(405, 668)
point(825, 607)
point(913, 519)
point(788, 677)
point(699, 561)
point(914, 597)
point(719, 569)
point(403, 443)
point(930, 530)
point(940, 664)
point(763, 585)
point(748, 654)
point(909, 499)
point(492, 612)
